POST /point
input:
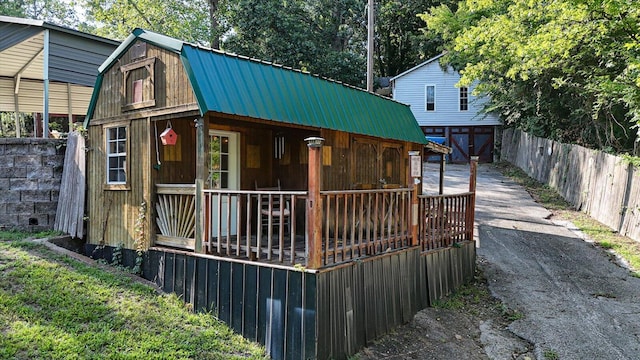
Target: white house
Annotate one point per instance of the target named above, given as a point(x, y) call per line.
point(446, 110)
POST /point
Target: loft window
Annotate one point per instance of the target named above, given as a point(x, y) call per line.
point(464, 98)
point(139, 84)
point(430, 98)
point(116, 150)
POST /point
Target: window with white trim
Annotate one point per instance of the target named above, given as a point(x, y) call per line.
point(430, 98)
point(464, 98)
point(116, 155)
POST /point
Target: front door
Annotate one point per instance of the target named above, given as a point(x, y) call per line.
point(224, 173)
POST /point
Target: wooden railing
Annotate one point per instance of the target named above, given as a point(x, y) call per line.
point(445, 220)
point(250, 225)
point(357, 223)
point(270, 226)
point(175, 215)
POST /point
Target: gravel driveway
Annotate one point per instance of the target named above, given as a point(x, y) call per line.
point(576, 301)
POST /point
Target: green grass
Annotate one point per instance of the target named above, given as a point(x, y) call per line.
point(626, 248)
point(54, 307)
point(550, 355)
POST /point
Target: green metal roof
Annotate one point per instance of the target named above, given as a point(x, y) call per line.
point(231, 84)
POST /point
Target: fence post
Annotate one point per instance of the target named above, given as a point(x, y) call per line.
point(314, 203)
point(471, 211)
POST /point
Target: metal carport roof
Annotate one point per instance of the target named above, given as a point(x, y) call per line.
point(48, 68)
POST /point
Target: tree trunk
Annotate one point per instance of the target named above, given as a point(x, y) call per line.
point(215, 36)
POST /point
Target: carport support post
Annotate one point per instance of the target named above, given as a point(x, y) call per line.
point(314, 203)
point(471, 213)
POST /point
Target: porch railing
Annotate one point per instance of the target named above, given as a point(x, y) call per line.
point(357, 223)
point(175, 215)
point(445, 220)
point(249, 224)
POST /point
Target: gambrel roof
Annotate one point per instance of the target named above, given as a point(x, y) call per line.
point(226, 83)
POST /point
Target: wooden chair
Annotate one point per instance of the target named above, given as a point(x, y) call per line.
point(272, 210)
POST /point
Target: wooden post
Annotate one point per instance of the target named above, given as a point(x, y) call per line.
point(473, 172)
point(415, 162)
point(202, 127)
point(314, 203)
point(441, 185)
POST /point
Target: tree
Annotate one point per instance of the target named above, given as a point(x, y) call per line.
point(55, 11)
point(183, 19)
point(400, 41)
point(565, 69)
point(320, 36)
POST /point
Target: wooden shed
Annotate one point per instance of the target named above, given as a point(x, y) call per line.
point(285, 203)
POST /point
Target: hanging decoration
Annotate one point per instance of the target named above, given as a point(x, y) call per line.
point(157, 164)
point(168, 136)
point(278, 146)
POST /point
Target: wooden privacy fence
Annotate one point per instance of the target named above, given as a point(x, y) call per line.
point(601, 185)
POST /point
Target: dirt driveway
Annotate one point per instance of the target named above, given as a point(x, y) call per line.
point(567, 299)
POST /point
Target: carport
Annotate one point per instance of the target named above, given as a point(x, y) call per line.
point(48, 69)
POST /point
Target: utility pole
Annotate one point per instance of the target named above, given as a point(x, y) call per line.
point(370, 26)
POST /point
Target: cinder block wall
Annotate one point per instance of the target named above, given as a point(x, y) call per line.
point(30, 174)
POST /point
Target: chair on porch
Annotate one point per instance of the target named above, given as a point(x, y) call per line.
point(272, 211)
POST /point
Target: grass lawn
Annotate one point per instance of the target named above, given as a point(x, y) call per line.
point(624, 247)
point(55, 307)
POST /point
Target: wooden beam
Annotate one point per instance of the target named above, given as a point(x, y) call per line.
point(202, 130)
point(471, 210)
point(314, 204)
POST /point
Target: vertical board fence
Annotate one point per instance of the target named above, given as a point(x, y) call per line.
point(601, 185)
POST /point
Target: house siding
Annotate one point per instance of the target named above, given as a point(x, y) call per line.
point(410, 89)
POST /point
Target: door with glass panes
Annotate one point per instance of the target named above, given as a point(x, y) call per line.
point(224, 173)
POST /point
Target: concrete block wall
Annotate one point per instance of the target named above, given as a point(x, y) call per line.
point(30, 175)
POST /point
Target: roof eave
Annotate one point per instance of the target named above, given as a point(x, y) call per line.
point(417, 67)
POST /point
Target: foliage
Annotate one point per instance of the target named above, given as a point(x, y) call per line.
point(56, 11)
point(564, 69)
point(140, 237)
point(183, 19)
point(54, 307)
point(326, 37)
point(400, 42)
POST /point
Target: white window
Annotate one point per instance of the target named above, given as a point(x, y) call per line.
point(430, 98)
point(464, 98)
point(117, 155)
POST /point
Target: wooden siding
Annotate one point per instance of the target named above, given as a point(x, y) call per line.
point(113, 213)
point(177, 162)
point(172, 87)
point(410, 89)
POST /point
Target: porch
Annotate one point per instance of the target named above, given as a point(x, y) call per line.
point(285, 227)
